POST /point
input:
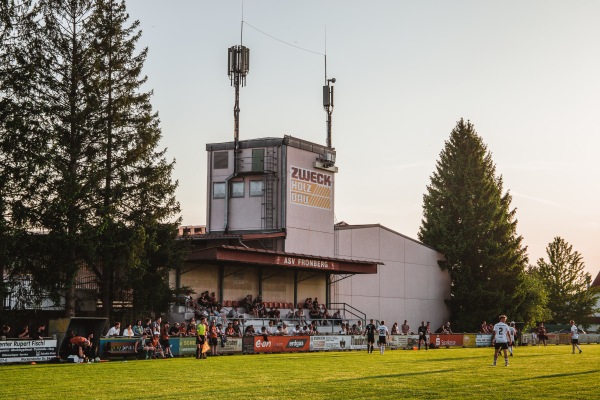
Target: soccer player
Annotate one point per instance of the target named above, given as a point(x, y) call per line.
point(370, 333)
point(513, 336)
point(383, 335)
point(501, 339)
point(423, 331)
point(575, 337)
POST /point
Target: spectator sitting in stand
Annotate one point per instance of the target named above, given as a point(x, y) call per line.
point(395, 329)
point(5, 332)
point(301, 316)
point(174, 331)
point(128, 331)
point(337, 317)
point(249, 331)
point(144, 348)
point(284, 329)
point(313, 313)
point(232, 314)
point(315, 304)
point(229, 330)
point(39, 332)
point(138, 329)
point(312, 329)
point(405, 328)
point(115, 330)
point(247, 303)
point(307, 303)
point(444, 329)
point(183, 329)
point(24, 334)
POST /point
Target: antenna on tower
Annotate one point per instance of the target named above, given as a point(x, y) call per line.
point(238, 66)
point(328, 97)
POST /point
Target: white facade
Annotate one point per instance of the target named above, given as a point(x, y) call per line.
point(409, 285)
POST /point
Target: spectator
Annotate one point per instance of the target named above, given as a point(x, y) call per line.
point(183, 329)
point(138, 329)
point(192, 329)
point(39, 332)
point(359, 328)
point(148, 328)
point(395, 329)
point(232, 314)
point(164, 340)
point(115, 330)
point(301, 316)
point(156, 325)
point(229, 331)
point(158, 351)
point(174, 331)
point(249, 331)
point(237, 328)
point(484, 328)
point(284, 329)
point(24, 334)
point(5, 332)
point(90, 351)
point(541, 332)
point(144, 348)
point(213, 338)
point(128, 331)
point(337, 317)
point(405, 328)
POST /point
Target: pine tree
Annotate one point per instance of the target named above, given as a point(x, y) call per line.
point(19, 133)
point(137, 191)
point(567, 283)
point(467, 217)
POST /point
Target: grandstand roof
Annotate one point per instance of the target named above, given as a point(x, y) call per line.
point(259, 257)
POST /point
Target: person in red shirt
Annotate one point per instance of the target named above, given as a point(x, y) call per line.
point(81, 344)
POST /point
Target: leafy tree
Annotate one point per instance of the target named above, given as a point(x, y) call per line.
point(566, 282)
point(467, 217)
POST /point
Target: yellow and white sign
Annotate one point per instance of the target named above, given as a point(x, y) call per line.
point(310, 188)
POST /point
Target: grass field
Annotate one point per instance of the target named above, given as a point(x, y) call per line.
point(534, 373)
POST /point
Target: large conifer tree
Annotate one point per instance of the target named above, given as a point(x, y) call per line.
point(467, 217)
point(137, 192)
point(566, 282)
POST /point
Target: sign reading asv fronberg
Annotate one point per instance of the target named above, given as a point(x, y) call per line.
point(310, 188)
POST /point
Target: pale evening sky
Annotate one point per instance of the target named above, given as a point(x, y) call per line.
point(526, 73)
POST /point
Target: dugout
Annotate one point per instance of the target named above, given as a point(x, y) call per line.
point(81, 326)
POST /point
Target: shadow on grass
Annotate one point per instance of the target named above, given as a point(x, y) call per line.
point(364, 378)
point(556, 375)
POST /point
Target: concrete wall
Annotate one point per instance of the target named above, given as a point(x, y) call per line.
point(409, 285)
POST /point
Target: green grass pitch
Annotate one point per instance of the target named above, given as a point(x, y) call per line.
point(533, 373)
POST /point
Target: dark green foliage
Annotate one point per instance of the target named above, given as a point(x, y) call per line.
point(566, 282)
point(79, 152)
point(468, 218)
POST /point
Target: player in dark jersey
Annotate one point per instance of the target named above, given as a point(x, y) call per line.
point(370, 334)
point(423, 331)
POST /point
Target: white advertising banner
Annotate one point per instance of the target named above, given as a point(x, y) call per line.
point(16, 351)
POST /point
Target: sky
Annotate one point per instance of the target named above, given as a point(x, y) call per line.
point(525, 73)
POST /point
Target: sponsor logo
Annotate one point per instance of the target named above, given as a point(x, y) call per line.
point(262, 344)
point(296, 344)
point(311, 176)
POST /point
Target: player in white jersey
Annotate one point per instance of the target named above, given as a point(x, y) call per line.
point(513, 336)
point(575, 337)
point(383, 335)
point(501, 339)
